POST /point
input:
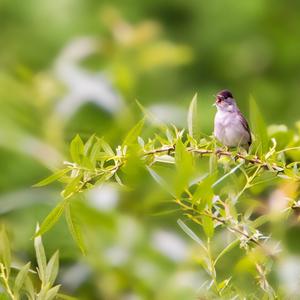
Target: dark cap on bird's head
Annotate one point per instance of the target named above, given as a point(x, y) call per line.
point(223, 95)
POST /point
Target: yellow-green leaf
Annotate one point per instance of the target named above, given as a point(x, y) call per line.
point(57, 175)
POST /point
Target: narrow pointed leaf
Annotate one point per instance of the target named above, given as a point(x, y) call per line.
point(40, 255)
point(5, 255)
point(20, 278)
point(259, 128)
point(52, 218)
point(52, 269)
point(76, 149)
point(88, 145)
point(208, 226)
point(57, 175)
point(52, 293)
point(74, 228)
point(131, 137)
point(193, 122)
point(190, 233)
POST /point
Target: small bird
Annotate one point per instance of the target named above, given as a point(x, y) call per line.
point(231, 128)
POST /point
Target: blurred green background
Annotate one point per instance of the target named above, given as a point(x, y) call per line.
point(77, 66)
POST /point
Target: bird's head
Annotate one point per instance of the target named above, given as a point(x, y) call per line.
point(225, 101)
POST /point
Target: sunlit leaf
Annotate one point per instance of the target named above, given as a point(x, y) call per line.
point(76, 149)
point(52, 293)
point(131, 137)
point(88, 145)
point(184, 166)
point(72, 186)
point(57, 175)
point(20, 278)
point(52, 269)
point(208, 226)
point(193, 121)
point(40, 255)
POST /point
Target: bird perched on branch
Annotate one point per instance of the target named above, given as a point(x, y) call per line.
point(231, 128)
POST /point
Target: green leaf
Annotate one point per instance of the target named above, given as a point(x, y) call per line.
point(76, 149)
point(160, 181)
point(227, 174)
point(88, 145)
point(208, 226)
point(204, 194)
point(57, 175)
point(52, 293)
point(40, 255)
point(191, 233)
point(106, 147)
point(52, 269)
point(193, 122)
point(72, 186)
point(131, 137)
point(29, 289)
point(258, 128)
point(52, 218)
point(185, 168)
point(74, 228)
point(227, 249)
point(95, 151)
point(20, 278)
point(5, 255)
point(65, 297)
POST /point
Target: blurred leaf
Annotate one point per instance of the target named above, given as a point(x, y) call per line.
point(20, 278)
point(40, 255)
point(160, 181)
point(230, 246)
point(94, 152)
point(5, 255)
point(52, 218)
point(52, 269)
point(29, 289)
point(190, 233)
point(76, 149)
point(106, 147)
point(131, 137)
point(65, 297)
point(88, 145)
point(52, 293)
point(193, 121)
point(204, 194)
point(72, 186)
point(74, 228)
point(208, 226)
point(259, 128)
point(227, 174)
point(57, 175)
point(185, 168)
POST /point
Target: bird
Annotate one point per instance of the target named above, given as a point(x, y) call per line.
point(230, 126)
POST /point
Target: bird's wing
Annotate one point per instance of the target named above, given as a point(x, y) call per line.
point(245, 125)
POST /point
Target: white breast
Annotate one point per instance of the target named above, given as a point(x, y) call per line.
point(229, 130)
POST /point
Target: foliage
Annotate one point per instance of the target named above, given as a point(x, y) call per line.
point(198, 174)
point(19, 282)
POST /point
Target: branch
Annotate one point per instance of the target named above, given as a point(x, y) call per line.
point(253, 160)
